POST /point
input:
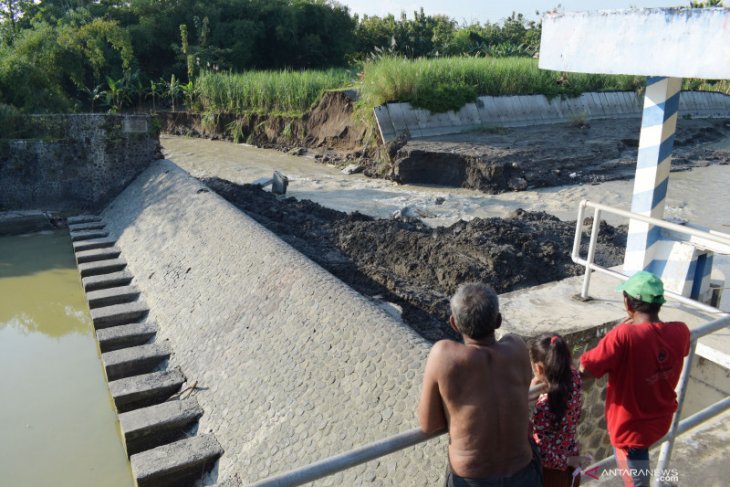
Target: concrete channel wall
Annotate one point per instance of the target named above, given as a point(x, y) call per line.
point(395, 119)
point(293, 364)
point(72, 162)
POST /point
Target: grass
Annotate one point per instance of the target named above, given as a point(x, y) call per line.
point(278, 92)
point(444, 84)
point(438, 85)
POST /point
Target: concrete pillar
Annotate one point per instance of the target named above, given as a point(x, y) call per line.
point(658, 125)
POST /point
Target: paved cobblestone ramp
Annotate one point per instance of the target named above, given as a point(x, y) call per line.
point(159, 427)
point(292, 365)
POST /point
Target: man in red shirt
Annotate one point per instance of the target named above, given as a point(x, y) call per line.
point(643, 358)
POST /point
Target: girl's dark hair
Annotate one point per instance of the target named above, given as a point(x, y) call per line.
point(553, 352)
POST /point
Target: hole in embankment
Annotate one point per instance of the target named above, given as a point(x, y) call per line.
point(59, 423)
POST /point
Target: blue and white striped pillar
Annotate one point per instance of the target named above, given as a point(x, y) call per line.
point(658, 125)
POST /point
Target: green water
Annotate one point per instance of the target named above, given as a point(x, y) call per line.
point(59, 427)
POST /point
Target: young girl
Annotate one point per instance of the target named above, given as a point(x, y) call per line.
point(557, 412)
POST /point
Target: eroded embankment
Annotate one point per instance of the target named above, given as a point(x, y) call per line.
point(516, 159)
point(418, 267)
point(493, 160)
point(292, 364)
point(329, 132)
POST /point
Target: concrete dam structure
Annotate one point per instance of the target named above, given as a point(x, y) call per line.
point(292, 364)
point(262, 360)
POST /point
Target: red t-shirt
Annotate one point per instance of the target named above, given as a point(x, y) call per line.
point(643, 363)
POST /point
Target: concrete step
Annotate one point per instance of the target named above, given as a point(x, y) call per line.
point(95, 243)
point(88, 235)
point(77, 227)
point(118, 314)
point(131, 361)
point(110, 296)
point(100, 267)
point(94, 255)
point(176, 463)
point(156, 425)
point(74, 220)
point(145, 390)
point(123, 336)
point(105, 281)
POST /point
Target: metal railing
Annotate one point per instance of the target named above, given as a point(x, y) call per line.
point(413, 437)
point(343, 461)
point(358, 456)
point(590, 266)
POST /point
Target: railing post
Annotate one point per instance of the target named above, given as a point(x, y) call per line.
point(591, 253)
point(665, 455)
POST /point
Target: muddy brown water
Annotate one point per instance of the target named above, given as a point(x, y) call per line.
point(59, 424)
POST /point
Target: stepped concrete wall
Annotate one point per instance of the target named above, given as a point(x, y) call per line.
point(293, 365)
point(395, 119)
point(72, 162)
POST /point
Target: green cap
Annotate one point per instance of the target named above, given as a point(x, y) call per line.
point(645, 287)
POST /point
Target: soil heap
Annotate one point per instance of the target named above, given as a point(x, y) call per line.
point(406, 262)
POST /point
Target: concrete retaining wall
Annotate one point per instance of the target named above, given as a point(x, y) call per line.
point(395, 119)
point(73, 162)
point(294, 365)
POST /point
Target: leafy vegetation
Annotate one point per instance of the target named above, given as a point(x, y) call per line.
point(114, 55)
point(292, 92)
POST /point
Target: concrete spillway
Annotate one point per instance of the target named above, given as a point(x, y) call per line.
point(292, 364)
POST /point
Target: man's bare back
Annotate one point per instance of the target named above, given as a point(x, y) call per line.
point(483, 389)
point(478, 390)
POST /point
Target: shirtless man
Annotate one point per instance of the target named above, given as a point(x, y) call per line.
point(478, 390)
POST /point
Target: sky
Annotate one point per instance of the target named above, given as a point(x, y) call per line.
point(494, 10)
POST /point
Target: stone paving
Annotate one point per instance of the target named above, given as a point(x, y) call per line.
point(292, 365)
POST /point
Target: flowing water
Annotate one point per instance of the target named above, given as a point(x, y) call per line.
point(59, 425)
point(699, 196)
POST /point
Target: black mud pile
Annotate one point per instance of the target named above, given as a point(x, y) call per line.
point(418, 267)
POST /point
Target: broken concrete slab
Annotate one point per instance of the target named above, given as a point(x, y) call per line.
point(73, 220)
point(77, 227)
point(105, 281)
point(156, 425)
point(111, 296)
point(144, 390)
point(119, 314)
point(138, 360)
point(174, 463)
point(96, 243)
point(88, 235)
point(94, 255)
point(279, 183)
point(123, 336)
point(100, 267)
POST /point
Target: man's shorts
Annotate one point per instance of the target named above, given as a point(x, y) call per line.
point(530, 476)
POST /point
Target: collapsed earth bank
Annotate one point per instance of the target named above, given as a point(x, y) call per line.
point(416, 267)
point(492, 160)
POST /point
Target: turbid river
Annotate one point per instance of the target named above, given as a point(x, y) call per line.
point(59, 426)
point(699, 196)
